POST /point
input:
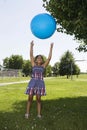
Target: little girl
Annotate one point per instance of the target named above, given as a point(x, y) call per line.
point(36, 85)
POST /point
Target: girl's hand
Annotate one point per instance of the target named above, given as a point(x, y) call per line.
point(51, 45)
point(32, 43)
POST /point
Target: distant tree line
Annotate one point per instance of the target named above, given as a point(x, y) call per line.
point(66, 66)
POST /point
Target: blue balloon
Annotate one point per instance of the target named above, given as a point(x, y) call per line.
point(43, 26)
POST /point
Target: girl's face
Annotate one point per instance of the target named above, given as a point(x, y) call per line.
point(39, 60)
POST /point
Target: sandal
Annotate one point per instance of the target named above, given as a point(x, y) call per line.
point(26, 116)
point(39, 116)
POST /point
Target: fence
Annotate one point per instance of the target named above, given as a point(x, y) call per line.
point(10, 73)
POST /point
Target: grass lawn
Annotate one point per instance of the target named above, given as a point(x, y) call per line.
point(63, 108)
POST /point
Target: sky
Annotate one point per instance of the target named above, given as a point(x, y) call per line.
point(16, 35)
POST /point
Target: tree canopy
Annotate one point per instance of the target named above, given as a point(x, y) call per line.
point(13, 62)
point(26, 69)
point(55, 69)
point(71, 16)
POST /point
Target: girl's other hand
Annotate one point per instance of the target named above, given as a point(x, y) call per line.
point(32, 43)
point(51, 45)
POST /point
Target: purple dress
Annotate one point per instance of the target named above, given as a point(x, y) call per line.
point(36, 85)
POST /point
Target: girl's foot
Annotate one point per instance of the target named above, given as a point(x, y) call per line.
point(39, 116)
point(26, 116)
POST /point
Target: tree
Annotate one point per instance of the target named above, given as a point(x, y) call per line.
point(71, 16)
point(67, 65)
point(48, 71)
point(6, 62)
point(76, 69)
point(27, 68)
point(55, 69)
point(13, 62)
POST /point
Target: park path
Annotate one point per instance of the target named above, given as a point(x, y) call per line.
point(18, 82)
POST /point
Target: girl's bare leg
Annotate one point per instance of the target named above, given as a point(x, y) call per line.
point(38, 99)
point(29, 102)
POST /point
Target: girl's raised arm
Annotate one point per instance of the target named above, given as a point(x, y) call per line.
point(31, 53)
point(49, 56)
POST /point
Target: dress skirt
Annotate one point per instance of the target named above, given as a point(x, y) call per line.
point(36, 87)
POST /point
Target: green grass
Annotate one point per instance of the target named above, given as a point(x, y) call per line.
point(63, 108)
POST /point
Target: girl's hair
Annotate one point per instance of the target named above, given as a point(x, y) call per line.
point(37, 57)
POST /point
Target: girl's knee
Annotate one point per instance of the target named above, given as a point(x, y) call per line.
point(38, 98)
point(30, 98)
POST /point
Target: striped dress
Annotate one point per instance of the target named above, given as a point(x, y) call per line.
point(36, 85)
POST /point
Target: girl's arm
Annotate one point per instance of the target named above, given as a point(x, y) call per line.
point(49, 56)
point(31, 53)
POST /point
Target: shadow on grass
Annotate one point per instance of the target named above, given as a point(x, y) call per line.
point(59, 114)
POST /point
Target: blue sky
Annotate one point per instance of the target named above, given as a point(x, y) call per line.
point(15, 33)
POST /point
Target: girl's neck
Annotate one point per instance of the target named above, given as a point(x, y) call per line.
point(38, 64)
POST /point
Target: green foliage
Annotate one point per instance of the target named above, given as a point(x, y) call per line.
point(13, 62)
point(71, 17)
point(67, 65)
point(82, 47)
point(27, 68)
point(76, 69)
point(55, 69)
point(48, 71)
point(6, 62)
